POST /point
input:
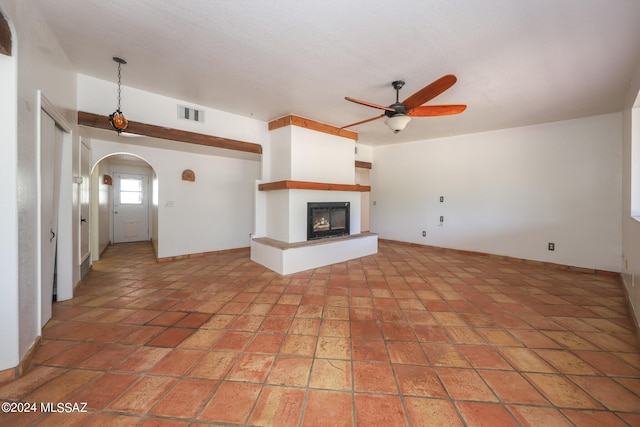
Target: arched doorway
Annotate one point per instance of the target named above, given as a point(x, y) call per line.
point(124, 205)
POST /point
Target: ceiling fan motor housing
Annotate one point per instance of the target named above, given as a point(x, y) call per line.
point(399, 110)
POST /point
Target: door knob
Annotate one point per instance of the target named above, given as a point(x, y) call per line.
point(52, 235)
point(83, 219)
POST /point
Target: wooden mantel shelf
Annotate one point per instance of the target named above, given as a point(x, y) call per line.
point(305, 185)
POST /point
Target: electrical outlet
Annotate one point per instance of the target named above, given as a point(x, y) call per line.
point(441, 199)
point(168, 204)
point(552, 246)
point(441, 219)
point(424, 234)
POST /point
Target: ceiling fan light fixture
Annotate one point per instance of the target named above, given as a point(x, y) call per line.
point(397, 122)
point(117, 119)
point(399, 113)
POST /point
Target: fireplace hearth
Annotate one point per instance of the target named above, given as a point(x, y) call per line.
point(327, 219)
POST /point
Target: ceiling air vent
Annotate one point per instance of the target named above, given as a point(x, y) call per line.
point(191, 114)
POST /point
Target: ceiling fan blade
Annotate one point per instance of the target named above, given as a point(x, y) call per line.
point(436, 110)
point(369, 104)
point(430, 91)
point(363, 121)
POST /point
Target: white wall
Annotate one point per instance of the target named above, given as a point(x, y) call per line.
point(280, 155)
point(42, 65)
point(508, 192)
point(101, 208)
point(630, 226)
point(302, 154)
point(365, 153)
point(213, 213)
point(277, 215)
point(321, 157)
point(9, 333)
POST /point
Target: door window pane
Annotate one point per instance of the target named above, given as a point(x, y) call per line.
point(131, 191)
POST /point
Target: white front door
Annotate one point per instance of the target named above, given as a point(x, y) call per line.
point(130, 208)
point(51, 138)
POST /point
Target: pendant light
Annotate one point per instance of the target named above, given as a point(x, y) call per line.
point(117, 119)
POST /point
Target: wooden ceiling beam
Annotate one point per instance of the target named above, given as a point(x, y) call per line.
point(102, 122)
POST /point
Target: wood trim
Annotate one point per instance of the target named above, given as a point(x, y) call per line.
point(102, 122)
point(364, 165)
point(280, 123)
point(11, 374)
point(278, 244)
point(630, 307)
point(305, 185)
point(5, 36)
point(25, 363)
point(51, 110)
point(199, 255)
point(542, 264)
point(292, 120)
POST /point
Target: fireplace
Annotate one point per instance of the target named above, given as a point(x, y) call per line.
point(327, 219)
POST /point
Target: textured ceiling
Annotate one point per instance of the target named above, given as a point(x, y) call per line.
point(517, 62)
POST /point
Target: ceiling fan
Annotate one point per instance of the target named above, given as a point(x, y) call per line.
point(399, 113)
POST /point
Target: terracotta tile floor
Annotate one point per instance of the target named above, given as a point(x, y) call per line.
point(411, 336)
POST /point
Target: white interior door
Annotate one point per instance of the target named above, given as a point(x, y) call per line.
point(84, 197)
point(51, 138)
point(130, 208)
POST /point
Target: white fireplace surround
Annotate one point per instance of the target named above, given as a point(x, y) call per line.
point(305, 155)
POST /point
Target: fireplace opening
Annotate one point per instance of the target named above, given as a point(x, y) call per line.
point(327, 219)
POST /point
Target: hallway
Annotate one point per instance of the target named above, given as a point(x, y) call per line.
point(411, 336)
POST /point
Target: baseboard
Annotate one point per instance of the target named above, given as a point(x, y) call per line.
point(199, 254)
point(632, 311)
point(105, 248)
point(85, 266)
point(544, 264)
point(155, 248)
point(13, 373)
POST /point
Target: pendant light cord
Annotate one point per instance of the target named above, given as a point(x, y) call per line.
point(119, 66)
point(117, 118)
